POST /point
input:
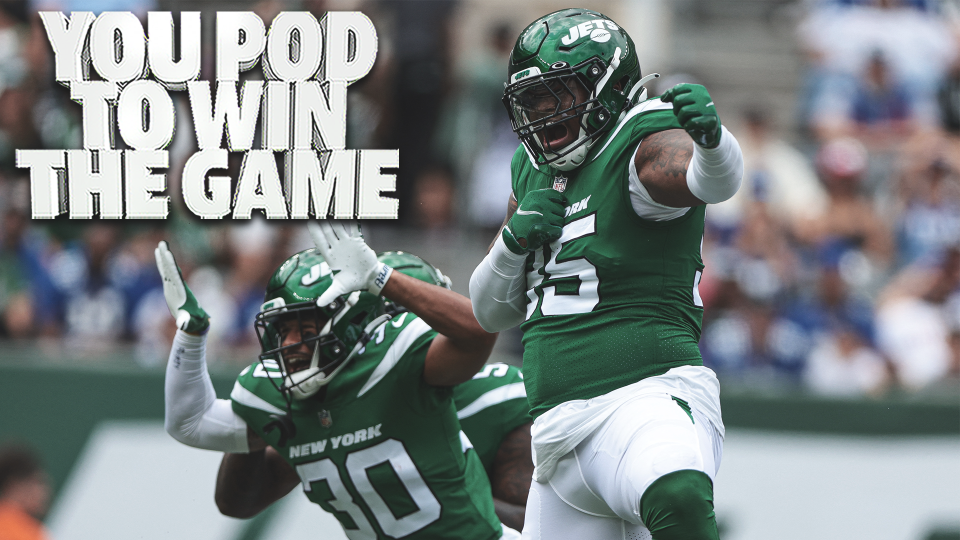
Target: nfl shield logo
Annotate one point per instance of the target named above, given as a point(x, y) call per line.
point(560, 183)
point(325, 419)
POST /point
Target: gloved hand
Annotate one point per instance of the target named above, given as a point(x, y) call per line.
point(537, 221)
point(191, 318)
point(694, 109)
point(357, 268)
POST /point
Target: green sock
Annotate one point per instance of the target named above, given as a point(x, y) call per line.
point(679, 506)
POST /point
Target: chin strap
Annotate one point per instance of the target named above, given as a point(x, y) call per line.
point(637, 87)
point(640, 84)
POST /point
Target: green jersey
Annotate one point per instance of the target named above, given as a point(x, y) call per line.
point(491, 405)
point(382, 450)
point(614, 300)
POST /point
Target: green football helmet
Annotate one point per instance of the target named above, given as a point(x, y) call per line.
point(415, 267)
point(329, 336)
point(573, 74)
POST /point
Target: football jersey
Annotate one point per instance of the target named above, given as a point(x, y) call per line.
point(382, 450)
point(614, 300)
point(491, 405)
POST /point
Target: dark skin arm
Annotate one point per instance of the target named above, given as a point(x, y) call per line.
point(512, 473)
point(662, 162)
point(249, 483)
point(462, 345)
point(512, 206)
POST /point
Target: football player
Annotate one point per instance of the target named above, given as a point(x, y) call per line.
point(346, 401)
point(492, 408)
point(599, 264)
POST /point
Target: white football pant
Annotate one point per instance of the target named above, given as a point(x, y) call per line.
point(596, 490)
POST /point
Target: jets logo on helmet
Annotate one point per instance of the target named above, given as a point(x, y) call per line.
point(595, 30)
point(312, 343)
point(573, 74)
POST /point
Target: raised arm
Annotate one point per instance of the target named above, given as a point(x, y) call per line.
point(192, 413)
point(678, 172)
point(462, 346)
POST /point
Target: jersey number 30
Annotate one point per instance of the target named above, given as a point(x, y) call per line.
point(390, 451)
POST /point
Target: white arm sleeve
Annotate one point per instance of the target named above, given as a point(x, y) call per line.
point(192, 413)
point(497, 289)
point(714, 174)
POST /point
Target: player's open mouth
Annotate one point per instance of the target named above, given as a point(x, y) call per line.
point(557, 136)
point(296, 362)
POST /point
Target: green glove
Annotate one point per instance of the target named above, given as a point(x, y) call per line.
point(694, 109)
point(537, 221)
point(191, 318)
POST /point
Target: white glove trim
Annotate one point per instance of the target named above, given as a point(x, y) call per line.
point(383, 275)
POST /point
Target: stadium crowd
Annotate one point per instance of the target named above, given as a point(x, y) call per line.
point(836, 267)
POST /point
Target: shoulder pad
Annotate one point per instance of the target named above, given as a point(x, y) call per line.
point(255, 388)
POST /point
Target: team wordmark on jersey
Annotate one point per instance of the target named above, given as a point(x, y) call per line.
point(576, 207)
point(347, 439)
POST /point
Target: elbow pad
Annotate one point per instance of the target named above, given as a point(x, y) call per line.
point(714, 175)
point(192, 413)
point(497, 289)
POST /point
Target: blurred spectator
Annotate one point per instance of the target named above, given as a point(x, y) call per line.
point(97, 283)
point(948, 96)
point(930, 218)
point(741, 287)
point(915, 325)
point(16, 100)
point(850, 217)
point(24, 495)
point(433, 198)
point(840, 40)
point(842, 365)
point(775, 174)
point(764, 263)
point(881, 104)
point(490, 183)
point(747, 338)
point(877, 109)
point(475, 134)
point(253, 248)
point(839, 326)
point(420, 42)
point(25, 283)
